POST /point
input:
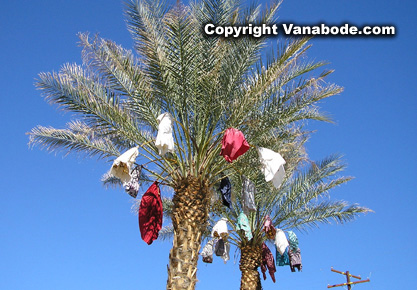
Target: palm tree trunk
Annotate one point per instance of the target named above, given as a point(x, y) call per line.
point(250, 260)
point(189, 218)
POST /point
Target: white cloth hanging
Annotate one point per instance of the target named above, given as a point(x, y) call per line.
point(272, 165)
point(220, 229)
point(281, 241)
point(164, 140)
point(122, 165)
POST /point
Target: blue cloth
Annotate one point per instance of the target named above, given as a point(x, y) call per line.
point(243, 224)
point(282, 260)
point(293, 240)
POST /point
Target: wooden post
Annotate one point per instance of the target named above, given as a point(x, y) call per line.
point(348, 282)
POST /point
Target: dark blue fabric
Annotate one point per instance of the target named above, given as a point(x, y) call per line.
point(226, 191)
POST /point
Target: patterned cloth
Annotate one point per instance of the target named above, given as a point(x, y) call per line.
point(295, 259)
point(234, 144)
point(220, 229)
point(226, 191)
point(164, 140)
point(122, 165)
point(207, 252)
point(132, 186)
point(248, 194)
point(243, 225)
point(281, 241)
point(150, 214)
point(269, 228)
point(272, 165)
point(268, 262)
point(282, 260)
point(293, 240)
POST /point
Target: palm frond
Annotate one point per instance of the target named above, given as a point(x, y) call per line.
point(78, 137)
point(166, 233)
point(323, 212)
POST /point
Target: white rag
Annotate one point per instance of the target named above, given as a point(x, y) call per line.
point(272, 165)
point(164, 140)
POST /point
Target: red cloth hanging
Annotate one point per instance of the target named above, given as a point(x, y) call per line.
point(150, 214)
point(234, 144)
point(268, 262)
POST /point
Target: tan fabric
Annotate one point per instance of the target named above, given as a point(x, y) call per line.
point(122, 165)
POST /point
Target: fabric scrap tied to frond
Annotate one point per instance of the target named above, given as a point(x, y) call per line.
point(234, 144)
point(293, 240)
point(269, 228)
point(248, 194)
point(284, 259)
point(150, 214)
point(243, 225)
point(281, 241)
point(164, 140)
point(272, 165)
point(122, 165)
point(220, 229)
point(222, 249)
point(226, 191)
point(132, 186)
point(207, 252)
point(268, 262)
point(295, 259)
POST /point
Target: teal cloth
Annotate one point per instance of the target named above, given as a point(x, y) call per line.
point(293, 240)
point(243, 224)
point(282, 260)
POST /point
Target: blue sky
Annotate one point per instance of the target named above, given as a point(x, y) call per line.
point(60, 229)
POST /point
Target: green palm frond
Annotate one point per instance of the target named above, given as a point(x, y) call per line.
point(78, 137)
point(323, 212)
point(77, 90)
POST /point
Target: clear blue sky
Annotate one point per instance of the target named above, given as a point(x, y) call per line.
point(60, 229)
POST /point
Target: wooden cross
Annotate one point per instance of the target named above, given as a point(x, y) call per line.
point(348, 283)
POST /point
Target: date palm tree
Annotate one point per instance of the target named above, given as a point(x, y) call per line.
point(207, 84)
point(301, 203)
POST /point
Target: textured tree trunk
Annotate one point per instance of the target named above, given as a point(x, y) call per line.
point(250, 260)
point(189, 218)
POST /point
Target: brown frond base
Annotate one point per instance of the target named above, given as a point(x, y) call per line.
point(250, 260)
point(189, 218)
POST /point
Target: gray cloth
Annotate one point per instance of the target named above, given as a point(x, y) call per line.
point(248, 194)
point(295, 259)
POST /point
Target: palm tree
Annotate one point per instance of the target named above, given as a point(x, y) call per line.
point(301, 203)
point(207, 84)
